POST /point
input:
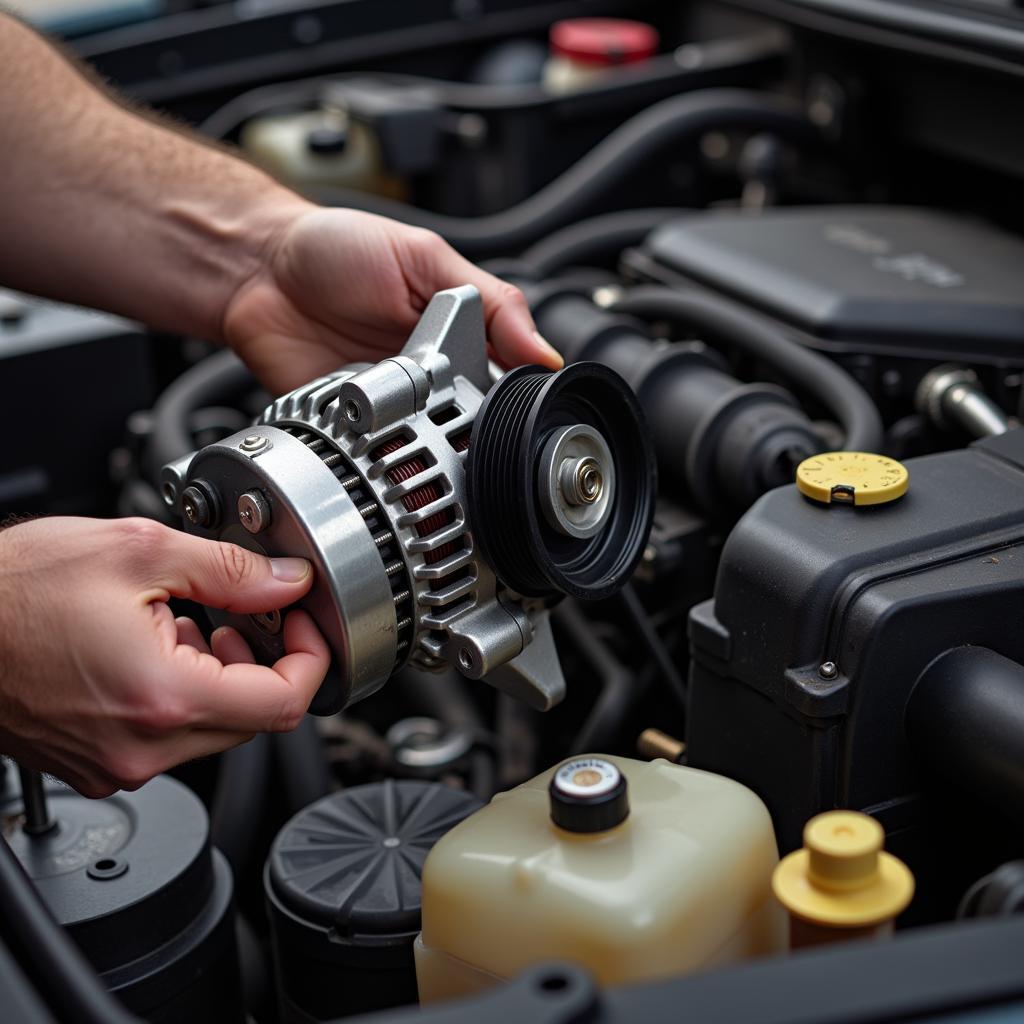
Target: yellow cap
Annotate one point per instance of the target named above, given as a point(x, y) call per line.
point(842, 878)
point(852, 478)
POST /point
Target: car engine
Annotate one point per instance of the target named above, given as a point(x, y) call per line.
point(684, 682)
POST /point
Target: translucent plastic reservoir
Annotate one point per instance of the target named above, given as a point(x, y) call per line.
point(683, 883)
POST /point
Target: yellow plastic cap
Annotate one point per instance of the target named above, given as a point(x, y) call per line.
point(852, 478)
point(842, 878)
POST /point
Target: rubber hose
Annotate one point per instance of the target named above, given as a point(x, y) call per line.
point(59, 970)
point(662, 127)
point(644, 628)
point(255, 970)
point(595, 239)
point(729, 324)
point(965, 722)
point(618, 687)
point(216, 380)
point(238, 801)
point(302, 761)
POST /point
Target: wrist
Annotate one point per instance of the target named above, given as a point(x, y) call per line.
point(239, 246)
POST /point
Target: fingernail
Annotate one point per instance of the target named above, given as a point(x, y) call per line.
point(546, 346)
point(289, 570)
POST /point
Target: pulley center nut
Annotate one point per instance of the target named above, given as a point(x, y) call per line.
point(581, 480)
point(576, 480)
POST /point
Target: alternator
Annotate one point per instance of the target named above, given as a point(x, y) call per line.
point(442, 525)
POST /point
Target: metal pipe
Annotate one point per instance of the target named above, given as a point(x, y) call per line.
point(33, 796)
point(951, 396)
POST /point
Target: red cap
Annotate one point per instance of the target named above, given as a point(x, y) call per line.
point(604, 41)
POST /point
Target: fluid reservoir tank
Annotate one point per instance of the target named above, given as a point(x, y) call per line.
point(634, 870)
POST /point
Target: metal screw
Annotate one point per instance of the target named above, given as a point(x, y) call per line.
point(195, 507)
point(828, 670)
point(253, 443)
point(253, 511)
point(582, 481)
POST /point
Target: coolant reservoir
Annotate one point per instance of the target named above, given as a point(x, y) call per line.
point(319, 147)
point(633, 869)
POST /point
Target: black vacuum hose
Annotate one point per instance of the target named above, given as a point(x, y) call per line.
point(214, 381)
point(664, 126)
point(594, 240)
point(243, 776)
point(722, 321)
point(618, 692)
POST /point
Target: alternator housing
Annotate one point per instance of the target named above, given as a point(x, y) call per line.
point(363, 472)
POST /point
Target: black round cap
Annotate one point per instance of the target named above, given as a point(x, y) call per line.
point(588, 794)
point(353, 861)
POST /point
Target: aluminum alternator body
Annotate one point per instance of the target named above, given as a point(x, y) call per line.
point(363, 472)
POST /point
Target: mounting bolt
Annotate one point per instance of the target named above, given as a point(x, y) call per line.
point(196, 507)
point(828, 670)
point(253, 511)
point(253, 443)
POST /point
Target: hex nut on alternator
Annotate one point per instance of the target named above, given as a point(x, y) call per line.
point(253, 511)
point(195, 507)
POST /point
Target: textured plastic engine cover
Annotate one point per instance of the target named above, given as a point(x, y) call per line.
point(862, 275)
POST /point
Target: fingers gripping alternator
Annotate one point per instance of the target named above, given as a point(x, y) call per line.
point(364, 472)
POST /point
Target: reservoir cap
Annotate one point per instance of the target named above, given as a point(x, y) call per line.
point(852, 478)
point(842, 878)
point(588, 794)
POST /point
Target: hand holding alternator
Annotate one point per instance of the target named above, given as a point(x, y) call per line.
point(101, 686)
point(340, 286)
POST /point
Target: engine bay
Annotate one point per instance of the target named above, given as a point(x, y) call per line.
point(684, 681)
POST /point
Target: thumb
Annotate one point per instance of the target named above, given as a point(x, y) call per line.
point(510, 327)
point(229, 576)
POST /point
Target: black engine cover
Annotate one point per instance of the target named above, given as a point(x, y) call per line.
point(880, 591)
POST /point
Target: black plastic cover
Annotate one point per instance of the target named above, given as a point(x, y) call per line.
point(867, 274)
point(138, 887)
point(879, 592)
point(353, 860)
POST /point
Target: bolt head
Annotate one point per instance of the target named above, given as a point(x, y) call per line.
point(253, 511)
point(828, 670)
point(253, 443)
point(195, 507)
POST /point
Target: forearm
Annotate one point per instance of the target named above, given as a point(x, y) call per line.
point(106, 208)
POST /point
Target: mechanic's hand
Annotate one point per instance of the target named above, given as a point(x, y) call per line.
point(102, 687)
point(341, 286)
